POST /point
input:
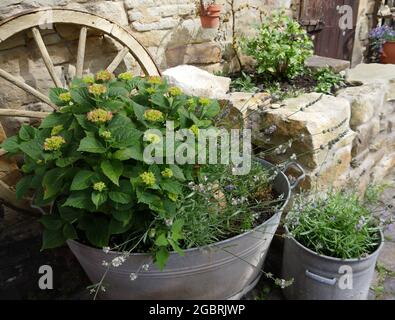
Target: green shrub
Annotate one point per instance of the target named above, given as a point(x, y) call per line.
point(328, 80)
point(339, 225)
point(244, 84)
point(280, 48)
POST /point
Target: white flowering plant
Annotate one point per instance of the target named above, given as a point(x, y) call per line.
point(338, 224)
point(86, 161)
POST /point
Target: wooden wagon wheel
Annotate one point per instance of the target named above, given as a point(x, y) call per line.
point(31, 21)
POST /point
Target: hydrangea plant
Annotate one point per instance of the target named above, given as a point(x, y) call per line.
point(86, 161)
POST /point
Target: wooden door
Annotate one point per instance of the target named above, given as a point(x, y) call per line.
point(321, 18)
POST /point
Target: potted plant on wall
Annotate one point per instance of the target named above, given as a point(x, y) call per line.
point(331, 248)
point(141, 229)
point(382, 41)
point(209, 12)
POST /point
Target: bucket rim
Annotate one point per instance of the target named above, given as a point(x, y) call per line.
point(216, 244)
point(354, 260)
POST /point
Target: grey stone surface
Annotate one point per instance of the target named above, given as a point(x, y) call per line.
point(318, 62)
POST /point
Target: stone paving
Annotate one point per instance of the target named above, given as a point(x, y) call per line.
point(383, 287)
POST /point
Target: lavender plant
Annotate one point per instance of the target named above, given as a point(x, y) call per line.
point(338, 224)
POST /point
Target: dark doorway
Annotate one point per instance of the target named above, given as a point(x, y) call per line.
point(322, 19)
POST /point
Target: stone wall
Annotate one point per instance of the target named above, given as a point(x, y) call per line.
point(169, 29)
point(364, 25)
point(347, 140)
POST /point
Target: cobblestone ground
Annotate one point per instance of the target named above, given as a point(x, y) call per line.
point(383, 285)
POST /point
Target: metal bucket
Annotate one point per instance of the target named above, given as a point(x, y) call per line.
point(318, 277)
point(225, 270)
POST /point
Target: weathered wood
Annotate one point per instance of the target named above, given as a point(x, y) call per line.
point(23, 113)
point(8, 197)
point(81, 52)
point(45, 55)
point(20, 84)
point(118, 59)
point(13, 25)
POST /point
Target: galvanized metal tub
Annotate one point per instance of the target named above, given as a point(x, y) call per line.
point(318, 277)
point(225, 270)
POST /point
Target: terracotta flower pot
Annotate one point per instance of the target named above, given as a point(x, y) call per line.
point(388, 54)
point(210, 16)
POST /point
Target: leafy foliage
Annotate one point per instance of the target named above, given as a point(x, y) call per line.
point(244, 83)
point(339, 225)
point(280, 47)
point(87, 158)
point(328, 80)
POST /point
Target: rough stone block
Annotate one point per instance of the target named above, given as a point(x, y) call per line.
point(197, 82)
point(162, 24)
point(365, 134)
point(202, 53)
point(290, 123)
point(318, 62)
point(326, 176)
point(366, 101)
point(383, 168)
point(373, 73)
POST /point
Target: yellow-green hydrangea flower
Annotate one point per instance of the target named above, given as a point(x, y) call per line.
point(97, 89)
point(175, 91)
point(99, 116)
point(54, 143)
point(155, 80)
point(151, 90)
point(99, 186)
point(194, 129)
point(167, 173)
point(152, 138)
point(172, 196)
point(148, 178)
point(88, 79)
point(65, 96)
point(104, 75)
point(191, 103)
point(126, 76)
point(153, 115)
point(56, 130)
point(204, 101)
point(105, 135)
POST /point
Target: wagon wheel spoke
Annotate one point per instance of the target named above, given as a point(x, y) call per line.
point(45, 55)
point(23, 113)
point(81, 52)
point(118, 59)
point(22, 85)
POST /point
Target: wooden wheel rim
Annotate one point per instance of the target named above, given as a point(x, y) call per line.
point(33, 18)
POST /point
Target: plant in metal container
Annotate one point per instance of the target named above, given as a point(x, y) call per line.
point(143, 226)
point(382, 42)
point(209, 12)
point(331, 248)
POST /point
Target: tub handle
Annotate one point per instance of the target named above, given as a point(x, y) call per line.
point(300, 169)
point(321, 279)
